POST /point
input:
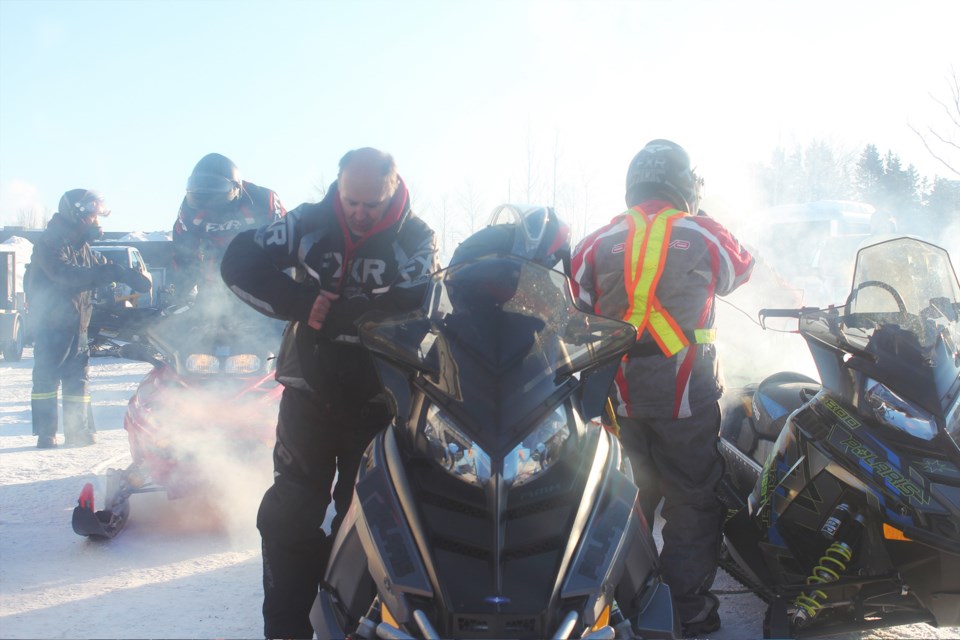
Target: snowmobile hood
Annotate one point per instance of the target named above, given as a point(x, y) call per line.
point(497, 342)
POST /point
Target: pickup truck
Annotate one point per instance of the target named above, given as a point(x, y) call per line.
point(119, 293)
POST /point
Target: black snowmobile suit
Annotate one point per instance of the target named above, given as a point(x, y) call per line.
point(329, 410)
point(63, 275)
point(313, 240)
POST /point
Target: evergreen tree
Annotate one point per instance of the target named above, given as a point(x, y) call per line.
point(869, 175)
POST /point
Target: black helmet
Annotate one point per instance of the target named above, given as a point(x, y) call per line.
point(539, 234)
point(662, 168)
point(83, 207)
point(214, 184)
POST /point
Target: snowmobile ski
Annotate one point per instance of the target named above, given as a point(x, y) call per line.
point(104, 524)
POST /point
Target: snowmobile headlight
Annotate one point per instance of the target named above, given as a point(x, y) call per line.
point(453, 450)
point(203, 363)
point(901, 414)
point(538, 451)
point(243, 363)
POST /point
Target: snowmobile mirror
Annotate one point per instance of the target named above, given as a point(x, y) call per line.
point(595, 388)
point(138, 352)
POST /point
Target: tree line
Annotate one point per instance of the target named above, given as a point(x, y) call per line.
point(819, 171)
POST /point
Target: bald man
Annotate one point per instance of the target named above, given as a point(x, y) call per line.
point(322, 267)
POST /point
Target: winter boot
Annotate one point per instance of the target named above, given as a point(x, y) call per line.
point(46, 442)
point(83, 439)
point(707, 620)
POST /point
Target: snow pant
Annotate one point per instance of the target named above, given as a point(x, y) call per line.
point(61, 357)
point(678, 460)
point(315, 441)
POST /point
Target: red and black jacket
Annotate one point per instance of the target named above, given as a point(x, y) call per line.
point(201, 236)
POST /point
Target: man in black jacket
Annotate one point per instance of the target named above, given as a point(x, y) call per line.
point(63, 274)
point(321, 268)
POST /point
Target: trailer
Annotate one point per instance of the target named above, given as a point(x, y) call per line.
point(13, 317)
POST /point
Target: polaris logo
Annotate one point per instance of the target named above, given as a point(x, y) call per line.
point(683, 245)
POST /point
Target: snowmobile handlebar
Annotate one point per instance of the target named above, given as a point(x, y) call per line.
point(763, 314)
point(785, 313)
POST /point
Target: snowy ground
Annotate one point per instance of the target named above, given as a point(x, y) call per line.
point(181, 569)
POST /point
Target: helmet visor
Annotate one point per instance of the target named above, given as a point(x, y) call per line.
point(206, 191)
point(90, 205)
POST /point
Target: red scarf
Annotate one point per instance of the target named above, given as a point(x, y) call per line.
point(397, 204)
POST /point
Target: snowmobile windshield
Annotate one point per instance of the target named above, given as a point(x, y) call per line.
point(902, 322)
point(217, 337)
point(497, 340)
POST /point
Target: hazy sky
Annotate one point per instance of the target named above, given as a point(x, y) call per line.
point(471, 97)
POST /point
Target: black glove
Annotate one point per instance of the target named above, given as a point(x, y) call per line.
point(137, 281)
point(111, 273)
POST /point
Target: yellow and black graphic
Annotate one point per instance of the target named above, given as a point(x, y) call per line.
point(840, 412)
point(906, 487)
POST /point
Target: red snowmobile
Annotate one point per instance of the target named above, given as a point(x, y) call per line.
point(212, 388)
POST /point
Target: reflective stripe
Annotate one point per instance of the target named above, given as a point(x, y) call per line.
point(704, 336)
point(76, 398)
point(645, 257)
point(44, 396)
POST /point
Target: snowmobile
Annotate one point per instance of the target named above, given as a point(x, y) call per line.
point(843, 495)
point(212, 383)
point(493, 506)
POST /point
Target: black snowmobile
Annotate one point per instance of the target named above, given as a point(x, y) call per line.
point(844, 495)
point(491, 507)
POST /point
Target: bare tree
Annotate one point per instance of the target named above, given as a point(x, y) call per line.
point(943, 142)
point(472, 206)
point(320, 189)
point(35, 217)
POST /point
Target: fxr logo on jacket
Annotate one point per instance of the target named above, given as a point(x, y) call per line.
point(362, 270)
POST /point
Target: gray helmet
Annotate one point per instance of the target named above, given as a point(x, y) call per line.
point(528, 231)
point(214, 184)
point(662, 169)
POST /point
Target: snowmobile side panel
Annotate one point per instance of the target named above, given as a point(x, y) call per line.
point(606, 539)
point(657, 618)
point(392, 556)
point(323, 617)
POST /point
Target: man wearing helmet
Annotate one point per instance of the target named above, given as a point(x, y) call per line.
point(218, 205)
point(659, 265)
point(63, 274)
point(320, 268)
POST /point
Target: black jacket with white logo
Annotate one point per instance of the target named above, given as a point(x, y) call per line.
point(387, 269)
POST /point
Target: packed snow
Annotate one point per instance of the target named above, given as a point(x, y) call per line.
point(185, 568)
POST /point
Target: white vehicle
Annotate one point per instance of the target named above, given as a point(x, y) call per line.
point(119, 293)
point(810, 244)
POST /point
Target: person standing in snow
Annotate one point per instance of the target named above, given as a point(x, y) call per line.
point(659, 266)
point(217, 206)
point(320, 268)
point(63, 274)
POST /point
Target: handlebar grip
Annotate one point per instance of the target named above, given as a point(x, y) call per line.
point(779, 313)
point(786, 313)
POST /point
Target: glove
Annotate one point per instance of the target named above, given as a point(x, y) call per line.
point(112, 273)
point(137, 281)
